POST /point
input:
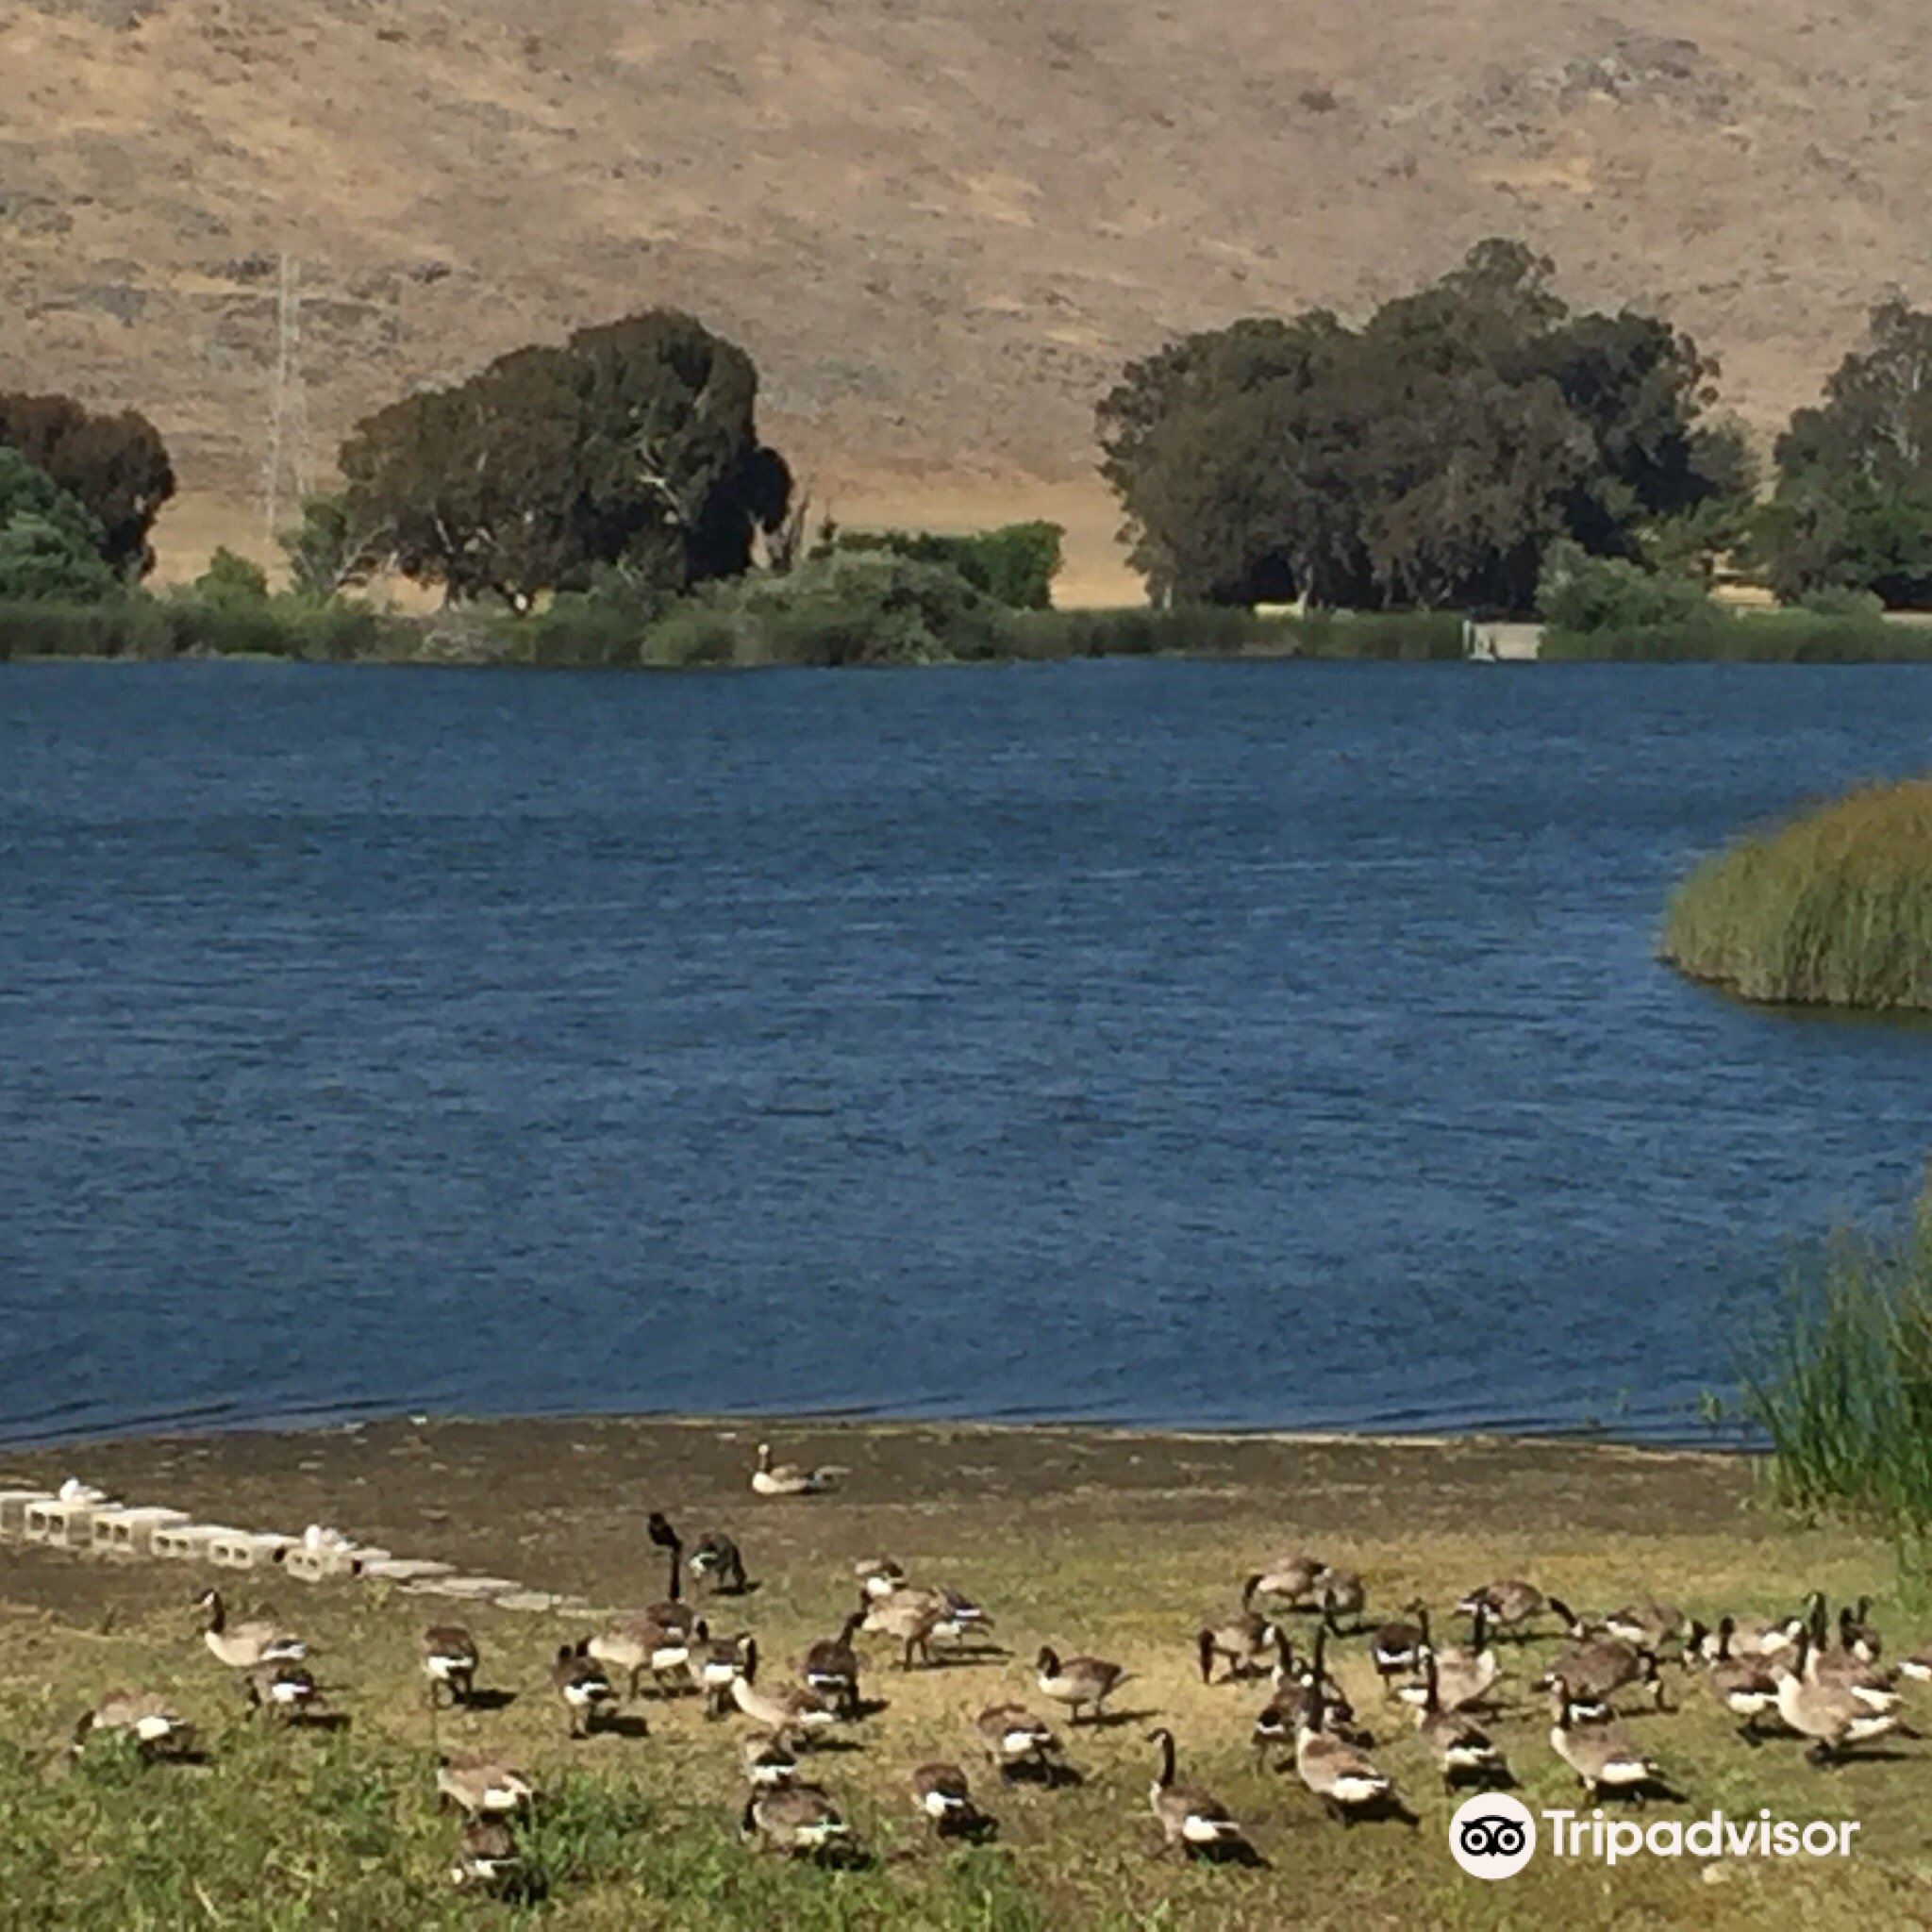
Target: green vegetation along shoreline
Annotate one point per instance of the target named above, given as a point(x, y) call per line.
point(1833, 907)
point(1119, 1544)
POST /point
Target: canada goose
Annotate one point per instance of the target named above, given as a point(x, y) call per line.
point(1510, 1602)
point(880, 1575)
point(791, 1478)
point(1342, 1775)
point(1832, 1715)
point(670, 1612)
point(799, 1819)
point(1646, 1626)
point(1843, 1670)
point(242, 1646)
point(1291, 1671)
point(717, 1561)
point(283, 1690)
point(909, 1617)
point(1457, 1743)
point(1012, 1735)
point(486, 1857)
point(449, 1662)
point(1191, 1820)
point(1081, 1683)
point(1601, 1757)
point(1580, 1629)
point(1463, 1677)
point(941, 1794)
point(767, 1762)
point(1395, 1649)
point(1857, 1634)
point(1244, 1639)
point(1598, 1667)
point(715, 1664)
point(1344, 1594)
point(584, 1689)
point(1291, 1578)
point(830, 1667)
point(962, 1617)
point(787, 1710)
point(149, 1720)
point(641, 1643)
point(482, 1784)
point(1918, 1665)
point(1745, 1685)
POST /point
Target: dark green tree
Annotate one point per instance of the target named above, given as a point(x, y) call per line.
point(634, 447)
point(117, 466)
point(50, 543)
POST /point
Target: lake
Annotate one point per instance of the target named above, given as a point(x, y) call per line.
point(1249, 1044)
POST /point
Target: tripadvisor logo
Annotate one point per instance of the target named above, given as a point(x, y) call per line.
point(1492, 1836)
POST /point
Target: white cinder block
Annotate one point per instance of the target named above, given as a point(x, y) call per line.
point(13, 1509)
point(248, 1549)
point(185, 1543)
point(129, 1531)
point(67, 1525)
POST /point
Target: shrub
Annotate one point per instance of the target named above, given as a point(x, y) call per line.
point(1773, 637)
point(1833, 908)
point(1580, 592)
point(1014, 565)
point(50, 545)
point(231, 581)
point(138, 626)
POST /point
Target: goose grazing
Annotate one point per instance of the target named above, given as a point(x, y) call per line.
point(1012, 1737)
point(1463, 1677)
point(941, 1795)
point(149, 1720)
point(1081, 1683)
point(1342, 1775)
point(787, 1710)
point(641, 1643)
point(791, 1478)
point(717, 1562)
point(909, 1617)
point(1600, 1756)
point(830, 1667)
point(1245, 1640)
point(1831, 1715)
point(449, 1662)
point(1745, 1685)
point(1459, 1745)
point(584, 1689)
point(1289, 1672)
point(1191, 1821)
point(242, 1646)
point(963, 1618)
point(1510, 1602)
point(1395, 1649)
point(799, 1819)
point(767, 1763)
point(880, 1575)
point(1291, 1579)
point(486, 1857)
point(670, 1612)
point(1598, 1667)
point(482, 1784)
point(282, 1690)
point(1344, 1594)
point(1645, 1625)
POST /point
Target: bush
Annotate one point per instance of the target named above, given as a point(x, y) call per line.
point(138, 626)
point(50, 545)
point(1771, 637)
point(1832, 909)
point(1580, 592)
point(232, 581)
point(1014, 565)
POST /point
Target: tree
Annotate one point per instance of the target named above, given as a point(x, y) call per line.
point(1430, 456)
point(634, 446)
point(231, 582)
point(329, 551)
point(117, 466)
point(1014, 564)
point(50, 543)
point(1852, 507)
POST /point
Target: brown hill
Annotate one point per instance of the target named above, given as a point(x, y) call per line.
point(940, 225)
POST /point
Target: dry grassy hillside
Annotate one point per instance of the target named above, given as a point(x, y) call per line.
point(940, 225)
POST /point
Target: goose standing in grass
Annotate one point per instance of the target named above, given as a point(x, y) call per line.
point(1342, 1775)
point(1013, 1737)
point(1461, 1748)
point(717, 1562)
point(788, 1711)
point(1603, 1758)
point(1833, 1716)
point(1245, 1640)
point(242, 1646)
point(1645, 1625)
point(714, 1664)
point(1597, 1668)
point(1463, 1677)
point(800, 1819)
point(1342, 1594)
point(1745, 1685)
point(1395, 1649)
point(1917, 1665)
point(450, 1659)
point(1857, 1634)
point(791, 1478)
point(285, 1690)
point(1192, 1821)
point(482, 1784)
point(962, 1617)
point(941, 1795)
point(150, 1721)
point(880, 1575)
point(830, 1667)
point(1081, 1683)
point(767, 1763)
point(1510, 1603)
point(1845, 1671)
point(486, 1857)
point(641, 1643)
point(909, 1617)
point(584, 1687)
point(1291, 1579)
point(671, 1611)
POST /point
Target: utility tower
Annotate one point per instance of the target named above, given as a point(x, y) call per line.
point(287, 426)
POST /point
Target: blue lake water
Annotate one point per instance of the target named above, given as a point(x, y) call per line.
point(1249, 1044)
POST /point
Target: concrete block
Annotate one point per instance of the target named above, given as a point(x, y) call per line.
point(13, 1509)
point(405, 1570)
point(470, 1589)
point(308, 1564)
point(248, 1549)
point(129, 1531)
point(64, 1526)
point(185, 1543)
